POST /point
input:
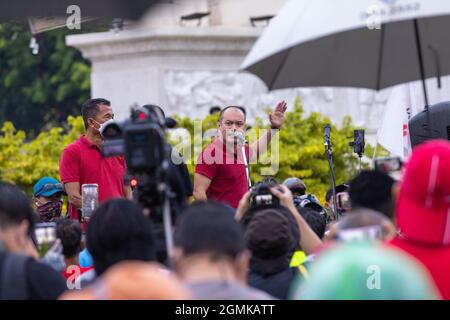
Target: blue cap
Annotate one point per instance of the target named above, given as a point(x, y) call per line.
point(47, 187)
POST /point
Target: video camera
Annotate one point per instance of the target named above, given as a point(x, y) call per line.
point(141, 140)
point(262, 197)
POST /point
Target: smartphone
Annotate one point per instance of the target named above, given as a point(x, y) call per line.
point(45, 236)
point(343, 201)
point(388, 165)
point(89, 200)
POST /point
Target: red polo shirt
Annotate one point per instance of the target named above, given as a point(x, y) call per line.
point(82, 162)
point(226, 172)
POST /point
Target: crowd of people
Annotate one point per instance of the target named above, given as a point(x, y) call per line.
point(273, 241)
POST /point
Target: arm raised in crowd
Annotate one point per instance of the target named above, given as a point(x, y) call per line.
point(73, 192)
point(309, 241)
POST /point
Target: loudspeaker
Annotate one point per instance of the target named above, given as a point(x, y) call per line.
point(430, 124)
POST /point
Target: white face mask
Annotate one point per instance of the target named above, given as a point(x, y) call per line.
point(103, 125)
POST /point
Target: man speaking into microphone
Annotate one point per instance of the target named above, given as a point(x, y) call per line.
point(220, 173)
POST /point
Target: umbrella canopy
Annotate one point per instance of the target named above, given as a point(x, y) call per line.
point(89, 8)
point(366, 43)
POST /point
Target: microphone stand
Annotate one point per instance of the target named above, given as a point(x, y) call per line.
point(329, 152)
point(242, 142)
point(247, 170)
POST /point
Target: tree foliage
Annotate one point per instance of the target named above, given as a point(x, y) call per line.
point(40, 89)
point(300, 145)
point(301, 149)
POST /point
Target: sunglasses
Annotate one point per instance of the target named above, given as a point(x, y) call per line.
point(50, 186)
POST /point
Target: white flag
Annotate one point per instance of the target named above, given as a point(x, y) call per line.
point(393, 133)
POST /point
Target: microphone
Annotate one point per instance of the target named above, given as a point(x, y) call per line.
point(240, 137)
point(326, 135)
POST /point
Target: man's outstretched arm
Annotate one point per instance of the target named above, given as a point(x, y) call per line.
point(276, 121)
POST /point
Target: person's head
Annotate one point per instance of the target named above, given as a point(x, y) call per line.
point(364, 225)
point(365, 271)
point(231, 119)
point(423, 205)
point(134, 280)
point(16, 217)
point(95, 112)
point(119, 231)
point(296, 185)
point(314, 219)
point(373, 189)
point(214, 110)
point(69, 232)
point(47, 193)
point(269, 238)
point(208, 232)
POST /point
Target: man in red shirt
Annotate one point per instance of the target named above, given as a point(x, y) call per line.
point(220, 172)
point(82, 163)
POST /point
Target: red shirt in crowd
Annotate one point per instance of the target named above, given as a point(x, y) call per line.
point(82, 162)
point(73, 272)
point(225, 170)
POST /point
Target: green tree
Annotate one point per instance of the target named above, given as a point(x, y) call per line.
point(301, 151)
point(24, 163)
point(44, 88)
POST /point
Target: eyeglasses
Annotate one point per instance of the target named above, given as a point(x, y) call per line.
point(50, 186)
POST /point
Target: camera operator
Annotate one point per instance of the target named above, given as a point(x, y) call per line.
point(160, 177)
point(274, 230)
point(179, 177)
point(303, 200)
point(82, 163)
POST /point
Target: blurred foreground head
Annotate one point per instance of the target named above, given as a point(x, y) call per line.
point(16, 217)
point(423, 206)
point(373, 189)
point(132, 280)
point(361, 271)
point(208, 232)
point(362, 225)
point(119, 231)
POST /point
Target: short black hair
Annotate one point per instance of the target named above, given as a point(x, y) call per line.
point(237, 107)
point(210, 228)
point(270, 181)
point(373, 189)
point(119, 231)
point(214, 109)
point(315, 220)
point(15, 207)
point(89, 109)
point(69, 232)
